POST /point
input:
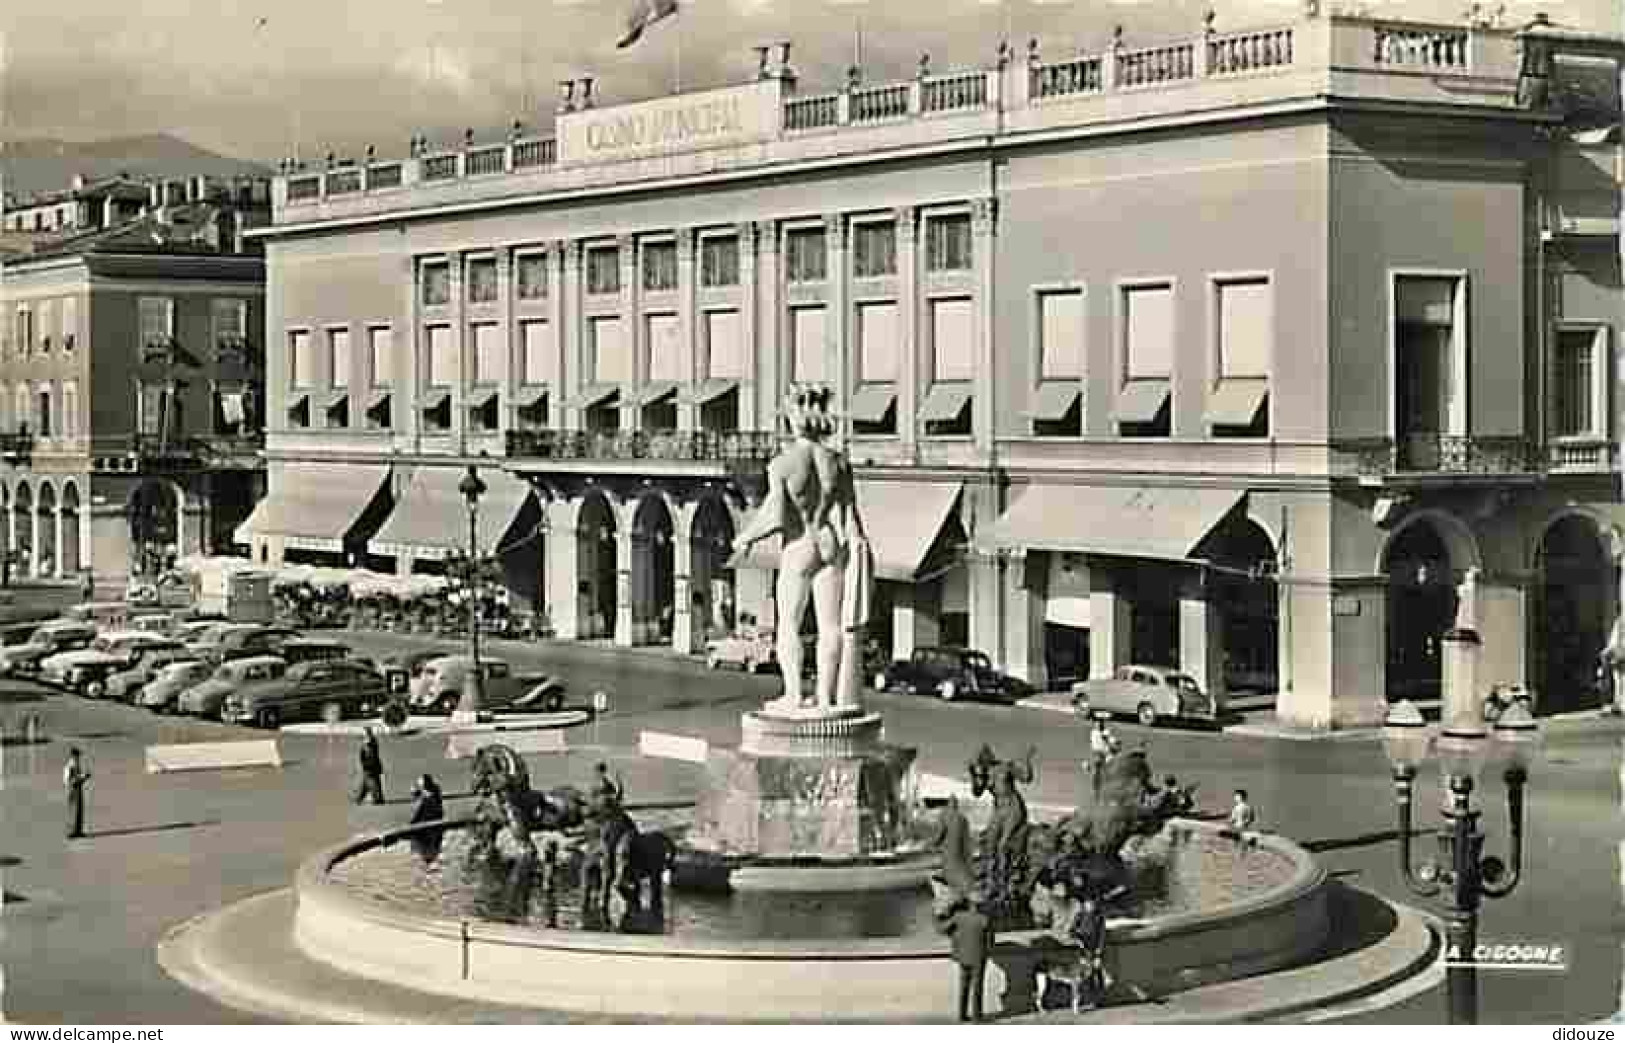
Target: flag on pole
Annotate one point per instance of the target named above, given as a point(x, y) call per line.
point(645, 14)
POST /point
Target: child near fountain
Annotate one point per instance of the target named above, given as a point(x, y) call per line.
point(1239, 827)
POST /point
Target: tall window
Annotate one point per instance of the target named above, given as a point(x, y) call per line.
point(1060, 336)
point(1148, 360)
point(1429, 363)
point(809, 345)
point(70, 409)
point(952, 340)
point(659, 267)
point(436, 277)
point(948, 243)
point(1578, 390)
point(442, 357)
point(24, 410)
point(338, 357)
point(611, 357)
point(532, 276)
point(874, 249)
point(664, 339)
point(724, 345)
point(482, 280)
point(229, 319)
point(25, 330)
point(381, 355)
point(70, 323)
point(806, 255)
point(45, 429)
point(488, 352)
point(719, 260)
point(301, 363)
point(1244, 337)
point(536, 342)
point(47, 325)
point(877, 342)
point(603, 269)
point(157, 317)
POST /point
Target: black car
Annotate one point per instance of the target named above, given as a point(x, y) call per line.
point(400, 669)
point(951, 673)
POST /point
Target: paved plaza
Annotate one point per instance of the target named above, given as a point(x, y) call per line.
point(82, 919)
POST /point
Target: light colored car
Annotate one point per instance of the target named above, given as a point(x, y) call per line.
point(750, 651)
point(439, 686)
point(1150, 693)
point(84, 670)
point(125, 684)
point(163, 692)
point(207, 699)
point(59, 635)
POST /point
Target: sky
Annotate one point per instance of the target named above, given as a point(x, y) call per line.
point(250, 78)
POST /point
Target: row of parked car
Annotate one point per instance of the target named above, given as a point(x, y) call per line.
point(248, 673)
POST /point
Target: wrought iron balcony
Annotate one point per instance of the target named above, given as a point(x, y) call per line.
point(1442, 454)
point(197, 452)
point(724, 447)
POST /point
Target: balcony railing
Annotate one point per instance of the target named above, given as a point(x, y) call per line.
point(190, 452)
point(726, 447)
point(1442, 454)
point(16, 446)
point(1592, 455)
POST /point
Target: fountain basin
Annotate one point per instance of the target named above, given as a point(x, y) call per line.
point(713, 978)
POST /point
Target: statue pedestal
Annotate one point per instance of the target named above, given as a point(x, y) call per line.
point(773, 732)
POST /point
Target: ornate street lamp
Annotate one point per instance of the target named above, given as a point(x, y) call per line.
point(468, 706)
point(1464, 749)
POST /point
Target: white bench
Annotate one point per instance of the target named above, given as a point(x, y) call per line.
point(673, 747)
point(464, 745)
point(209, 756)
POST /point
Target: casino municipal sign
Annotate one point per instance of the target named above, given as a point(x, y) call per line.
point(712, 119)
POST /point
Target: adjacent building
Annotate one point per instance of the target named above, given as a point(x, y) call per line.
point(1238, 352)
point(131, 379)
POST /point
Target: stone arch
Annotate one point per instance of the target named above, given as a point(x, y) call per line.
point(709, 525)
point(1244, 587)
point(1573, 589)
point(598, 529)
point(651, 523)
point(1423, 559)
point(22, 514)
point(156, 513)
point(47, 532)
point(72, 555)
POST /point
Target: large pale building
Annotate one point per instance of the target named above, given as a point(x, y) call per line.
point(1236, 352)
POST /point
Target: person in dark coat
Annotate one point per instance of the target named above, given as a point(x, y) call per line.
point(971, 930)
point(431, 807)
point(372, 770)
point(953, 841)
point(74, 779)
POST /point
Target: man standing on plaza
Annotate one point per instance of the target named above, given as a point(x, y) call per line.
point(971, 931)
point(1103, 746)
point(372, 770)
point(74, 779)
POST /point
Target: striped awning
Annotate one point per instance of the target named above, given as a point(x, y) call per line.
point(315, 506)
point(431, 518)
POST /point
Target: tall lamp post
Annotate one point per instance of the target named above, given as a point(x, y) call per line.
point(1460, 871)
point(468, 705)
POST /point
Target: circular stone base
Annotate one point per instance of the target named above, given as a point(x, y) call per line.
point(809, 733)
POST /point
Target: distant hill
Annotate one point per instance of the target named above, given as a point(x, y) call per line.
point(37, 165)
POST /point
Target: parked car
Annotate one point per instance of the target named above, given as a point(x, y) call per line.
point(749, 650)
point(124, 685)
point(245, 640)
point(85, 670)
point(313, 650)
point(1150, 693)
point(439, 686)
point(400, 669)
point(328, 690)
point(206, 699)
point(55, 636)
point(162, 694)
point(951, 673)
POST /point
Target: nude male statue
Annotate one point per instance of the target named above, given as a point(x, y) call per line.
point(811, 501)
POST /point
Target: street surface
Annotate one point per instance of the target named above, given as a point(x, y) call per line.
point(81, 918)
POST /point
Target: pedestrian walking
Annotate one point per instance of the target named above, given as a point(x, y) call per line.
point(372, 770)
point(88, 587)
point(75, 776)
point(1103, 746)
point(971, 930)
point(608, 794)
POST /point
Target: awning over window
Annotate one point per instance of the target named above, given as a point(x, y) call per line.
point(658, 390)
point(335, 398)
point(902, 520)
point(530, 399)
point(1236, 402)
point(1123, 521)
point(297, 402)
point(711, 390)
point(870, 402)
point(431, 518)
point(1054, 399)
point(376, 399)
point(945, 402)
point(1141, 400)
point(480, 399)
point(596, 395)
point(315, 506)
point(433, 400)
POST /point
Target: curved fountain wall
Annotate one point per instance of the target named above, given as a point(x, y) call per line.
point(716, 979)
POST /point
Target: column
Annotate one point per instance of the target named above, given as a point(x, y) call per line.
point(912, 369)
point(505, 386)
point(1111, 620)
point(682, 571)
point(688, 411)
point(625, 562)
point(915, 622)
point(1027, 595)
point(570, 331)
point(767, 357)
point(57, 539)
point(563, 572)
point(626, 251)
point(978, 510)
point(747, 324)
point(406, 376)
point(462, 349)
point(837, 321)
point(984, 214)
point(1201, 639)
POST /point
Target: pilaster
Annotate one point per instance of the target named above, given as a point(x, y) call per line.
point(563, 572)
point(1027, 589)
point(461, 348)
point(625, 562)
point(682, 602)
point(747, 325)
point(984, 233)
point(912, 369)
point(916, 620)
point(1201, 640)
point(571, 331)
point(407, 378)
point(1111, 623)
point(632, 336)
point(839, 323)
point(688, 412)
point(506, 385)
point(767, 356)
